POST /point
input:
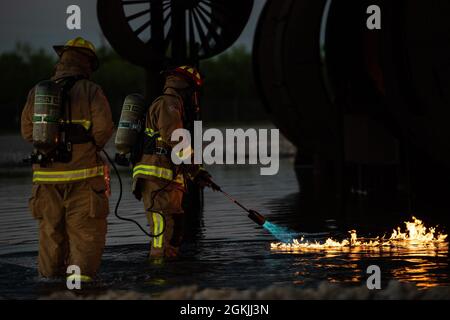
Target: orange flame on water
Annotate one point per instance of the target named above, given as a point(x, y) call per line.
point(416, 235)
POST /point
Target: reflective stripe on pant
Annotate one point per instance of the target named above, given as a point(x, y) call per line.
point(168, 243)
point(66, 176)
point(169, 203)
point(158, 227)
point(81, 278)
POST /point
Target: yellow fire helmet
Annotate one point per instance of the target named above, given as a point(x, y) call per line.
point(80, 44)
point(188, 72)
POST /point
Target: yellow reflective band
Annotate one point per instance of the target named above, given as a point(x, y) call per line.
point(151, 133)
point(66, 176)
point(157, 172)
point(85, 123)
point(159, 242)
point(157, 229)
point(153, 171)
point(161, 228)
point(81, 278)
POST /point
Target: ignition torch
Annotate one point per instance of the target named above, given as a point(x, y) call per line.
point(252, 214)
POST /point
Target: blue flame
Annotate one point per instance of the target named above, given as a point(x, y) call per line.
point(281, 233)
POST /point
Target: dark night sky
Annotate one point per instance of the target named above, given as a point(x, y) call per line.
point(42, 23)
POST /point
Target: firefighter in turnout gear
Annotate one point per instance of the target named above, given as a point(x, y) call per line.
point(157, 181)
point(69, 197)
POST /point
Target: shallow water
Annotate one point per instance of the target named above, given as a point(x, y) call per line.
point(229, 250)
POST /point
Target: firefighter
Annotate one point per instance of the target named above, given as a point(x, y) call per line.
point(69, 197)
point(156, 179)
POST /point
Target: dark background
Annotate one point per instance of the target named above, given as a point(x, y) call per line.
point(26, 57)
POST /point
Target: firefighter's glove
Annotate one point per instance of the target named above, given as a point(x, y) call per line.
point(204, 179)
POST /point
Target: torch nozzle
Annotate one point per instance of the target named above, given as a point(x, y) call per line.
point(257, 217)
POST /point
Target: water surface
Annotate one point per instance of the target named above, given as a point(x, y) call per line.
point(228, 249)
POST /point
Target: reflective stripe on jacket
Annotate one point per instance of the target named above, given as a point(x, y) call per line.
point(157, 172)
point(66, 176)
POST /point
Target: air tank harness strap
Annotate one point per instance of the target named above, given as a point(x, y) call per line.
point(75, 131)
point(150, 146)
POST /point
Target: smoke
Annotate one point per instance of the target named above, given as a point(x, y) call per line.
point(281, 233)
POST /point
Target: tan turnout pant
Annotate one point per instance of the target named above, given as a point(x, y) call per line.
point(72, 225)
point(167, 203)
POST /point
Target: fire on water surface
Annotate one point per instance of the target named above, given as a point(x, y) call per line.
point(416, 235)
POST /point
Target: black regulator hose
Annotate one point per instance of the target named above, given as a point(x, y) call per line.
point(116, 210)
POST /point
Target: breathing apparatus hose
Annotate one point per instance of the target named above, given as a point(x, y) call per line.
point(154, 194)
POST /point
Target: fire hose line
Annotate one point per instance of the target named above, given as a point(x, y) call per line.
point(154, 194)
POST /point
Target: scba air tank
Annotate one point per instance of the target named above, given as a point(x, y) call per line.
point(131, 123)
point(47, 116)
